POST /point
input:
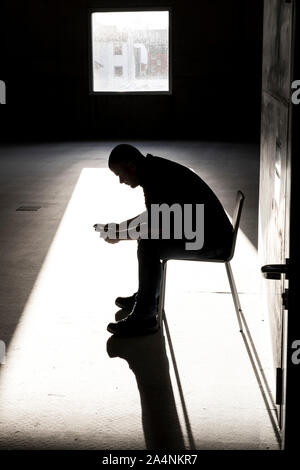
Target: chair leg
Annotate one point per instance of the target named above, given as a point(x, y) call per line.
point(161, 303)
point(234, 293)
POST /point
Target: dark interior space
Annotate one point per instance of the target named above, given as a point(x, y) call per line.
point(216, 74)
point(205, 381)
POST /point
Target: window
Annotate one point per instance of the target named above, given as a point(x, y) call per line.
point(124, 43)
point(118, 49)
point(118, 71)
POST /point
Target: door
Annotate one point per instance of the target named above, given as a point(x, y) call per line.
point(275, 178)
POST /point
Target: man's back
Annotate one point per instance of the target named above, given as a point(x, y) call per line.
point(165, 181)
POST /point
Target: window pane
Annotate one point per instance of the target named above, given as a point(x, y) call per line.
point(118, 49)
point(118, 71)
point(130, 51)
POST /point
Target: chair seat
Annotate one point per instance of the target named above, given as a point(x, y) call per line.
point(218, 255)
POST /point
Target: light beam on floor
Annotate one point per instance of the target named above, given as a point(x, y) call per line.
point(59, 388)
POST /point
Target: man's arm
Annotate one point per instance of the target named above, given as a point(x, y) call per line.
point(130, 221)
point(138, 227)
point(104, 227)
point(128, 230)
point(131, 229)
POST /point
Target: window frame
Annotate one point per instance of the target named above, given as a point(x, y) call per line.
point(90, 51)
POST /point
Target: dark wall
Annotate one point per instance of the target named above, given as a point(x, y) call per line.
point(216, 74)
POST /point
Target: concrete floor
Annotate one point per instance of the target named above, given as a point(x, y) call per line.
point(66, 383)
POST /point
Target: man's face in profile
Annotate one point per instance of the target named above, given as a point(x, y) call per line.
point(127, 174)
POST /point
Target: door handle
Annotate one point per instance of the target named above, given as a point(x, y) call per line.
point(274, 271)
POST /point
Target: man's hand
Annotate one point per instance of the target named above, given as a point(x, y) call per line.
point(103, 229)
point(100, 227)
point(112, 241)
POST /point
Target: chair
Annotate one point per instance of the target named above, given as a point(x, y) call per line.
point(222, 259)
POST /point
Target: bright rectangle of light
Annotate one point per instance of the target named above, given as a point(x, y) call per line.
point(58, 383)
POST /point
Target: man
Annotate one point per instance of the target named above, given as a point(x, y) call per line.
point(183, 195)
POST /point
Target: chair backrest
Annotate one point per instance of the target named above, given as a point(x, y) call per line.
point(236, 220)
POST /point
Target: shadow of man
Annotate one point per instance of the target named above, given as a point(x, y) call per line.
point(147, 358)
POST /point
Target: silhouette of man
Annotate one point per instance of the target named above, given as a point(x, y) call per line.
point(164, 182)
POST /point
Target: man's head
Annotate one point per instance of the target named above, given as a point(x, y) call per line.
point(124, 161)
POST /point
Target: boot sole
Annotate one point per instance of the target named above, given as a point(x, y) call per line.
point(119, 304)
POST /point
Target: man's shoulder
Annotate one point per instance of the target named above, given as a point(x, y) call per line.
point(154, 160)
